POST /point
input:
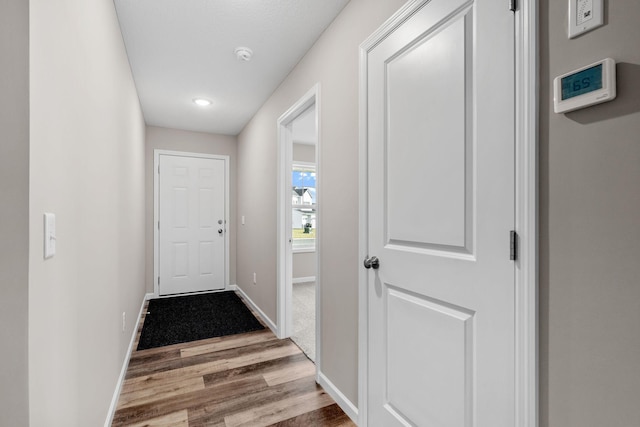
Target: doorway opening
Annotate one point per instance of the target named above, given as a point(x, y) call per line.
point(298, 225)
point(304, 231)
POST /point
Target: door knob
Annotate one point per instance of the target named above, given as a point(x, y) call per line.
point(372, 262)
point(219, 230)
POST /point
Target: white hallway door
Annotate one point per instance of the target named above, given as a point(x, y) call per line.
point(192, 224)
point(440, 201)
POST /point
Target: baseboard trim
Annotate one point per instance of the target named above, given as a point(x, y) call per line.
point(257, 309)
point(303, 279)
point(347, 406)
point(125, 366)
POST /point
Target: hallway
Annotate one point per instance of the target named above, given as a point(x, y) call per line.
point(251, 379)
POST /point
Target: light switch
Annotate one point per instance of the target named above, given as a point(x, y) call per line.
point(49, 235)
point(584, 15)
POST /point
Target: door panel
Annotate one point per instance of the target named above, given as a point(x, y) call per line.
point(442, 347)
point(440, 132)
point(180, 264)
point(206, 258)
point(207, 208)
point(426, 109)
point(191, 213)
point(180, 204)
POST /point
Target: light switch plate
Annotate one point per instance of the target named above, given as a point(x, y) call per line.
point(49, 235)
point(584, 15)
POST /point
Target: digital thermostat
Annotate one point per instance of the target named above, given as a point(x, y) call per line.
point(589, 85)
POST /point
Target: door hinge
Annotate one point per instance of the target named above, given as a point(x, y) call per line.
point(158, 168)
point(513, 5)
point(158, 280)
point(513, 245)
point(158, 225)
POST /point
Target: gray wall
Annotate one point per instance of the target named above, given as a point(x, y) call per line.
point(333, 61)
point(590, 229)
point(87, 167)
point(304, 153)
point(304, 265)
point(14, 211)
point(159, 138)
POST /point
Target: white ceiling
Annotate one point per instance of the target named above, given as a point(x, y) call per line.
point(183, 49)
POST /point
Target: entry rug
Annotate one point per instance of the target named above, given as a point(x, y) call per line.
point(195, 317)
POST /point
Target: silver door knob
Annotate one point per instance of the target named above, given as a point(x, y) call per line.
point(372, 262)
point(219, 230)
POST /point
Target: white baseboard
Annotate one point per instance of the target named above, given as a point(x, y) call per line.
point(347, 406)
point(303, 279)
point(125, 365)
point(264, 317)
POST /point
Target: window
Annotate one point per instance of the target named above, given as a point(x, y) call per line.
point(303, 204)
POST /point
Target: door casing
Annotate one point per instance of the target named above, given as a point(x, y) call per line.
point(156, 211)
point(526, 210)
point(283, 267)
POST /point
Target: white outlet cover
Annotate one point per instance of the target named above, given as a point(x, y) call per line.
point(584, 15)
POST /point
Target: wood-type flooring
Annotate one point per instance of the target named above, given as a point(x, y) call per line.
point(252, 379)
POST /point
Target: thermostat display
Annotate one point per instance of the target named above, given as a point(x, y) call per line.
point(582, 82)
point(590, 85)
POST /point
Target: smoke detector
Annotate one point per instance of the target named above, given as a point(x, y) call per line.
point(243, 53)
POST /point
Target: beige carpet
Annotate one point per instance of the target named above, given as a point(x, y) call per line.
point(304, 318)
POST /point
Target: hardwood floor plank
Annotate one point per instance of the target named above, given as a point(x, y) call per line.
point(290, 373)
point(233, 395)
point(140, 368)
point(217, 410)
point(263, 416)
point(133, 396)
point(226, 343)
point(197, 424)
point(328, 416)
point(288, 349)
point(174, 371)
point(175, 419)
point(247, 353)
point(161, 407)
point(261, 368)
point(154, 355)
point(202, 424)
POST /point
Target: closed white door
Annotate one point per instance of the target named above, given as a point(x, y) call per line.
point(440, 143)
point(192, 224)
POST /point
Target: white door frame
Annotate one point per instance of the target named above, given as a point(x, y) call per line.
point(284, 250)
point(156, 211)
point(526, 209)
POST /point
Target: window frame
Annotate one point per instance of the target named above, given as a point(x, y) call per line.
point(296, 165)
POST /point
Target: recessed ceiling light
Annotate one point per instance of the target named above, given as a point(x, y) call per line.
point(202, 102)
